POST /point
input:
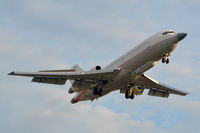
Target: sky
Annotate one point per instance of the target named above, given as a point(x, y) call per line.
point(56, 34)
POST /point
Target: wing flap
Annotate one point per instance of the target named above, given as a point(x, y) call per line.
point(49, 80)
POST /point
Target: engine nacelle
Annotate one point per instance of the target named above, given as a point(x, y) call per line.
point(98, 67)
point(158, 93)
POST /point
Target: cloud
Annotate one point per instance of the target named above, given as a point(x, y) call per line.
point(55, 113)
point(19, 53)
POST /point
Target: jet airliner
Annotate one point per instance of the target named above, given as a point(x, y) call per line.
point(125, 74)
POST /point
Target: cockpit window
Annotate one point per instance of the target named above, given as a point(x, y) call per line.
point(169, 31)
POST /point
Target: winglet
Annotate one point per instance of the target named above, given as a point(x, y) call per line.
point(12, 73)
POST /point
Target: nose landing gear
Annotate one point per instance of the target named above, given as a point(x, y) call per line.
point(165, 58)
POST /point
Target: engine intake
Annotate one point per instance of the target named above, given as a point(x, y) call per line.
point(98, 67)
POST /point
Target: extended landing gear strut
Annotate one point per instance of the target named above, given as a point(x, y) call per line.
point(97, 91)
point(129, 93)
point(165, 58)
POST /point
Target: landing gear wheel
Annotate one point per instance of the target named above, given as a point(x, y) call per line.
point(100, 91)
point(127, 95)
point(167, 61)
point(95, 91)
point(132, 96)
point(163, 60)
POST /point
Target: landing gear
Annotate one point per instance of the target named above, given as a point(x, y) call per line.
point(97, 91)
point(129, 93)
point(165, 59)
point(100, 91)
point(132, 96)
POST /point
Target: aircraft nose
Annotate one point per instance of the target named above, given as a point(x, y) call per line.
point(181, 36)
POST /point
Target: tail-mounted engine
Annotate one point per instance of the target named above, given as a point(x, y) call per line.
point(96, 68)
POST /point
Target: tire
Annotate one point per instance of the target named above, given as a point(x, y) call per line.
point(167, 61)
point(126, 95)
point(100, 91)
point(163, 60)
point(95, 91)
point(132, 96)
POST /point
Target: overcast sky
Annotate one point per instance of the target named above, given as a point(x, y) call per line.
point(56, 34)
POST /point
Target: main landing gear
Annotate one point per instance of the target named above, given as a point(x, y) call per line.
point(129, 93)
point(165, 58)
point(97, 91)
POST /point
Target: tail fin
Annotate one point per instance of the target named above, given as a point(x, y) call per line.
point(77, 68)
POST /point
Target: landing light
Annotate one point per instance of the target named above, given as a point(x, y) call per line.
point(83, 73)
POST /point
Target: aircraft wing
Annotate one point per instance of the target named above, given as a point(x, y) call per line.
point(154, 85)
point(60, 77)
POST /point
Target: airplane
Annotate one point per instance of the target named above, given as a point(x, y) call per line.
point(125, 74)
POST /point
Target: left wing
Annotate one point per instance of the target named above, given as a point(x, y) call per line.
point(57, 77)
point(157, 88)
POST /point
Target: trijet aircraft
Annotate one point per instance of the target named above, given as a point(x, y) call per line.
point(125, 74)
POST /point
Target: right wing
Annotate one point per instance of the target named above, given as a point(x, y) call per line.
point(57, 77)
point(157, 87)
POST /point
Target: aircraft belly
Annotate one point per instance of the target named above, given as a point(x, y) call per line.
point(121, 80)
point(87, 94)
